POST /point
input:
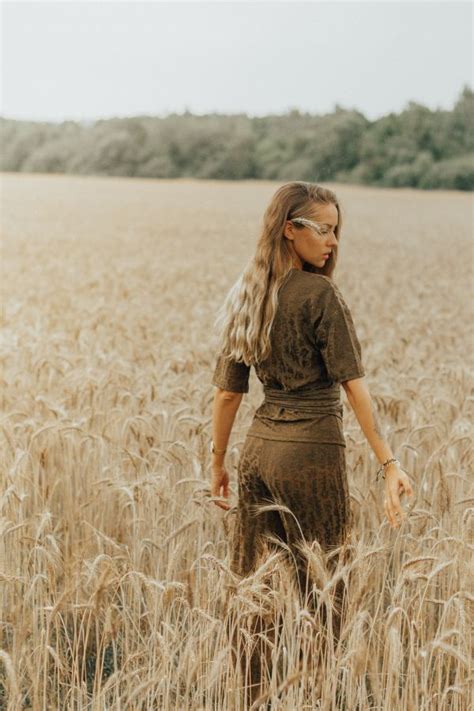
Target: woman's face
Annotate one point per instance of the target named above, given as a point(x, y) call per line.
point(306, 244)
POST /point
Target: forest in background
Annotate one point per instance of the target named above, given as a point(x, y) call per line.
point(418, 147)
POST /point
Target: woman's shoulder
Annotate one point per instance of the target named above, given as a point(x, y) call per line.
point(316, 282)
point(316, 290)
point(323, 294)
point(310, 291)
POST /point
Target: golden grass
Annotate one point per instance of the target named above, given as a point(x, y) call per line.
point(115, 588)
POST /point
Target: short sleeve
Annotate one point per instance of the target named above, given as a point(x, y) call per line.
point(336, 337)
point(231, 375)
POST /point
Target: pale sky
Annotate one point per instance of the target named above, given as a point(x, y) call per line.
point(88, 60)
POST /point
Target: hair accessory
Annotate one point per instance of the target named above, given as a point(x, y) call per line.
point(385, 464)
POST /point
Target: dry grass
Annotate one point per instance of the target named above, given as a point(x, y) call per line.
point(115, 587)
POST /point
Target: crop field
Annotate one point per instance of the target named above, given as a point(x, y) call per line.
point(115, 588)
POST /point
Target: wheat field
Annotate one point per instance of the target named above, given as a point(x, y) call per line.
point(115, 587)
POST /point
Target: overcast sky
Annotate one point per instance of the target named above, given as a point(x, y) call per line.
point(87, 60)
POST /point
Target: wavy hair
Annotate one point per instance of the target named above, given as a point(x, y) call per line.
point(245, 319)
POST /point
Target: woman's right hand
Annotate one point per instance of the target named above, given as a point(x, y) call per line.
point(397, 483)
point(220, 485)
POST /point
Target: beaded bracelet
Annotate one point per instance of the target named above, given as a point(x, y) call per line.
point(385, 464)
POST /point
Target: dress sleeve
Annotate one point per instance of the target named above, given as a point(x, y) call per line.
point(231, 375)
point(337, 338)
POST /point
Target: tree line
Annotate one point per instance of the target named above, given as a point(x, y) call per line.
point(418, 147)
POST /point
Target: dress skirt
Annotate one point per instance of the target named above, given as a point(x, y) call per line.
point(309, 479)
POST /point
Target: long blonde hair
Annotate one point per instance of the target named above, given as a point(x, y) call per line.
point(246, 316)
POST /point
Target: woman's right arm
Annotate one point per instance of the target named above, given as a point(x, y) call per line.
point(396, 480)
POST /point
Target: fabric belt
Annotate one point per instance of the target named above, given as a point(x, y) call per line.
point(318, 401)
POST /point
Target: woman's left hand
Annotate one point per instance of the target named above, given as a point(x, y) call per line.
point(220, 485)
point(397, 484)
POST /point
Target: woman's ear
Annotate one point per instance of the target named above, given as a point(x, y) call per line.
point(289, 230)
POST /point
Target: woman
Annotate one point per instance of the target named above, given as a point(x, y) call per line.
point(287, 318)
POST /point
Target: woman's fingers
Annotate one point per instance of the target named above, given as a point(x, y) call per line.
point(220, 487)
point(216, 492)
point(404, 484)
point(396, 503)
point(395, 486)
point(222, 505)
point(407, 486)
point(393, 506)
point(390, 513)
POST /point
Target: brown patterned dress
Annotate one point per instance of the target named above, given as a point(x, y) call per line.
point(294, 450)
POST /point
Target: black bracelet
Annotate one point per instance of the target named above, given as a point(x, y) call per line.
point(385, 464)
